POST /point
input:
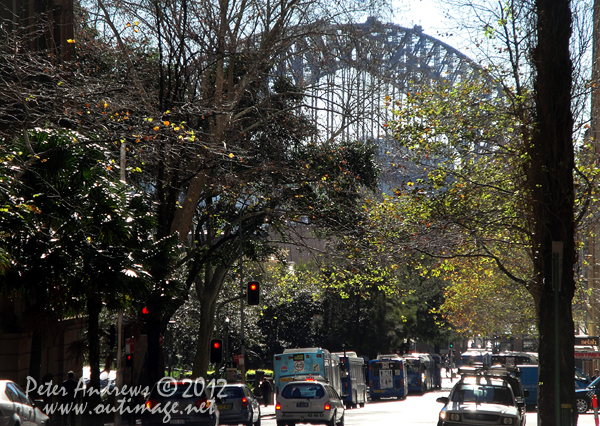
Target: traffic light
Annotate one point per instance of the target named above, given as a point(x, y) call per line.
point(112, 337)
point(451, 345)
point(129, 360)
point(216, 351)
point(253, 293)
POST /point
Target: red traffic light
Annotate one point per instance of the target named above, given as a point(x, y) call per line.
point(145, 310)
point(216, 351)
point(253, 293)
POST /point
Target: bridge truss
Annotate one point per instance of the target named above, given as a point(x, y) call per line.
point(347, 72)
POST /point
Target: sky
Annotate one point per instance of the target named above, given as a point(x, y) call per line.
point(429, 14)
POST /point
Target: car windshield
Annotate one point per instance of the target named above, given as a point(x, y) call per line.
point(483, 394)
point(413, 366)
point(303, 390)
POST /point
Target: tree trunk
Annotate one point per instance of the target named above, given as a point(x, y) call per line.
point(550, 181)
point(208, 292)
point(94, 306)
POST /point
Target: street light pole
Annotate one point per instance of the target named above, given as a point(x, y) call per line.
point(119, 381)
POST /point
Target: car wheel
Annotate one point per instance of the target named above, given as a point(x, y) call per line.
point(280, 423)
point(332, 421)
point(582, 405)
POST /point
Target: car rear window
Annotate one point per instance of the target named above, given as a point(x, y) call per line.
point(229, 392)
point(487, 394)
point(178, 390)
point(303, 390)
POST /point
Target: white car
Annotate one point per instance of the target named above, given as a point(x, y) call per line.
point(309, 402)
point(18, 409)
point(481, 400)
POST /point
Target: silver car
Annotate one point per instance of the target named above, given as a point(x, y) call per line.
point(17, 408)
point(481, 400)
point(309, 402)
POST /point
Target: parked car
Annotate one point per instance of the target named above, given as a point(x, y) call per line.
point(237, 404)
point(309, 401)
point(583, 397)
point(16, 408)
point(195, 405)
point(484, 398)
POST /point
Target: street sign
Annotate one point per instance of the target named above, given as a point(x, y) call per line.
point(586, 341)
point(129, 345)
point(587, 355)
point(239, 359)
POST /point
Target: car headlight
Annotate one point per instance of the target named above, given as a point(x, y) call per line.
point(507, 421)
point(455, 417)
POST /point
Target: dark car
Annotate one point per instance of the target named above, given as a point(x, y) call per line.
point(583, 397)
point(485, 398)
point(237, 404)
point(182, 402)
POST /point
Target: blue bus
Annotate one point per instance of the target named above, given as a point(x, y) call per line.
point(420, 372)
point(437, 370)
point(512, 358)
point(300, 363)
point(354, 383)
point(388, 378)
point(476, 357)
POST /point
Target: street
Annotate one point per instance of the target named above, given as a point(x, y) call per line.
point(415, 410)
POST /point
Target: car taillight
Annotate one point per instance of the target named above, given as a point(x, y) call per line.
point(150, 404)
point(204, 401)
point(277, 407)
point(327, 406)
point(244, 403)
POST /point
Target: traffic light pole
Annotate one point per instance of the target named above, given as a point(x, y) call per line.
point(242, 325)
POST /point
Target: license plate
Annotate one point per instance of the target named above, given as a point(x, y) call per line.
point(302, 404)
point(177, 422)
point(224, 407)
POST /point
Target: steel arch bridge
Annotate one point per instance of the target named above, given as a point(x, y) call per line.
point(347, 72)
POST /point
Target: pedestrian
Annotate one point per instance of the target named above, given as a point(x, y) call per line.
point(447, 365)
point(266, 389)
point(69, 399)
